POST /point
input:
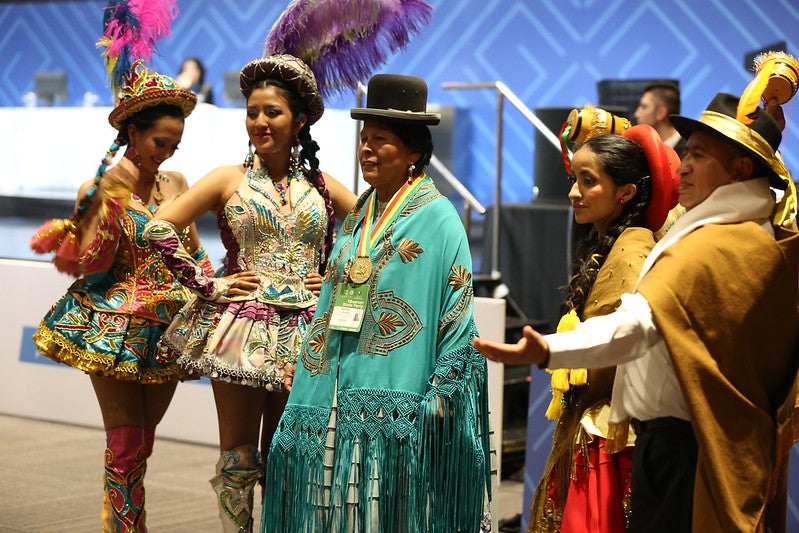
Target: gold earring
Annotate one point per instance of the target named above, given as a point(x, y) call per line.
point(411, 168)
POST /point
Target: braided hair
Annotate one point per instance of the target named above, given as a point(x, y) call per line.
point(625, 162)
point(307, 157)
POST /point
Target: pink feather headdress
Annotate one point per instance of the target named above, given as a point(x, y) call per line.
point(131, 29)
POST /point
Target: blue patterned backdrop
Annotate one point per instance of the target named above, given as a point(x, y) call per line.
point(549, 53)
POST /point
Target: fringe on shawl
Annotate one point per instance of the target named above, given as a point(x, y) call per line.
point(296, 498)
point(403, 462)
point(455, 448)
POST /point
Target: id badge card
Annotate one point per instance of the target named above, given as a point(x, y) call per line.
point(349, 307)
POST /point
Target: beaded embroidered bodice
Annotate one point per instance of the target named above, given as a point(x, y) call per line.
point(137, 282)
point(282, 248)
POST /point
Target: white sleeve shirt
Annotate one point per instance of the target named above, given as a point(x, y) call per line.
point(630, 338)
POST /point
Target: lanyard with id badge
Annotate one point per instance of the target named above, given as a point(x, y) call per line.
point(352, 296)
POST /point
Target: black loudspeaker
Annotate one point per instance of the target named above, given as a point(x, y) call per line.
point(450, 133)
point(550, 179)
point(231, 91)
point(533, 256)
point(625, 94)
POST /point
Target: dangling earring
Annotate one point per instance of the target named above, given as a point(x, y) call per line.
point(249, 157)
point(295, 154)
point(411, 168)
point(134, 156)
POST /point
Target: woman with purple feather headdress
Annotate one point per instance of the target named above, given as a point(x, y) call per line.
point(276, 215)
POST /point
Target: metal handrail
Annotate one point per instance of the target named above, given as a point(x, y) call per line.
point(468, 198)
point(503, 92)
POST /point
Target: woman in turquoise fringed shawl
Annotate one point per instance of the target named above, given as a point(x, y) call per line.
point(386, 424)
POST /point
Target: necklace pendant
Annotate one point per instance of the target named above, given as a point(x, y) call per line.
point(361, 270)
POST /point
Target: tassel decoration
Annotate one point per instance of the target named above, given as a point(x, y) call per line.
point(564, 378)
point(49, 236)
point(750, 99)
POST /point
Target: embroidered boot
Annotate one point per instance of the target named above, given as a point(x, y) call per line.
point(125, 465)
point(237, 472)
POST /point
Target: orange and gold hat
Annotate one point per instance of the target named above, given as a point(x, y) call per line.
point(143, 89)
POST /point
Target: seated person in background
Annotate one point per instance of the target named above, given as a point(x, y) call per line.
point(661, 99)
point(192, 78)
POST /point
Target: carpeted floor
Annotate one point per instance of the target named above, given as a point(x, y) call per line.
point(51, 481)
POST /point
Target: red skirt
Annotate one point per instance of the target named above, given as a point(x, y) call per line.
point(599, 493)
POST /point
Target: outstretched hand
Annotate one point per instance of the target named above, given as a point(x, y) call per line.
point(531, 349)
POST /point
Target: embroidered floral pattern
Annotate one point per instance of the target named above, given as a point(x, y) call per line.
point(389, 323)
point(460, 277)
point(314, 351)
point(409, 250)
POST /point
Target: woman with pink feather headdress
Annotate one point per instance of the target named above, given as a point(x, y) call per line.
point(111, 318)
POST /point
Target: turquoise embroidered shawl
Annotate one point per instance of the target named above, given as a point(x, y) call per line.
point(412, 403)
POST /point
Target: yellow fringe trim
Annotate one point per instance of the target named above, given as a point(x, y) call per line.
point(61, 350)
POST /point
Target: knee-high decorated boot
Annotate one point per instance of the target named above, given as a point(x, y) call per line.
point(237, 472)
point(125, 464)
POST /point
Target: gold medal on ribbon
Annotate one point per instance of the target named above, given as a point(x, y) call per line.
point(361, 270)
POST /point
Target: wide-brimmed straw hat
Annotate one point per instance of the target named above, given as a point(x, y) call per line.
point(396, 98)
point(142, 89)
point(760, 138)
point(290, 70)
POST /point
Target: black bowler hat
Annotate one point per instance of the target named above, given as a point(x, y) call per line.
point(760, 138)
point(396, 98)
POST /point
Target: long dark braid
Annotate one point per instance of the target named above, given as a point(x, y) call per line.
point(624, 161)
point(308, 160)
point(314, 175)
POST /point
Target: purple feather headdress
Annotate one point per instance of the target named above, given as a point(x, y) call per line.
point(344, 41)
point(131, 29)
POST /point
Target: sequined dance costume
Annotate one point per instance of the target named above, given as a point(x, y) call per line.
point(110, 320)
point(250, 340)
